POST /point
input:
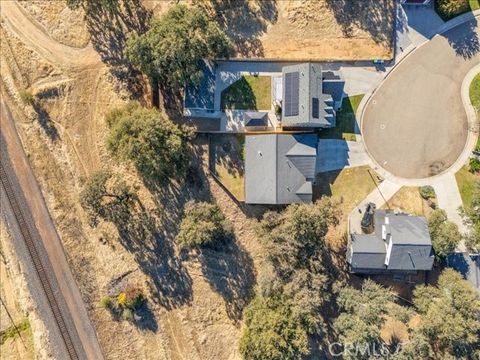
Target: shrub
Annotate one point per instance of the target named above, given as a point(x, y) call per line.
point(27, 97)
point(278, 110)
point(125, 303)
point(474, 165)
point(271, 332)
point(448, 9)
point(202, 224)
point(105, 196)
point(106, 302)
point(427, 192)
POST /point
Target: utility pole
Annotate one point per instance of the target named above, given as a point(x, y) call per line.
point(13, 323)
point(380, 191)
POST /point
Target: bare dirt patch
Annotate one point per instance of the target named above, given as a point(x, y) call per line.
point(308, 30)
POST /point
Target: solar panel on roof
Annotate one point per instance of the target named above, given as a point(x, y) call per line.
point(315, 108)
point(291, 93)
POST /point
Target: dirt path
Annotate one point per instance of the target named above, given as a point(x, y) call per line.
point(32, 34)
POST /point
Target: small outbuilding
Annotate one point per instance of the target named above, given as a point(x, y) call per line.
point(255, 121)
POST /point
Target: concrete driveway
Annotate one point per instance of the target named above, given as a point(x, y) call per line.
point(338, 154)
point(415, 125)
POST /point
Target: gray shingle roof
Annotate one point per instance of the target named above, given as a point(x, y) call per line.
point(411, 246)
point(409, 230)
point(304, 103)
point(468, 266)
point(411, 257)
point(279, 168)
point(334, 88)
point(368, 244)
point(255, 118)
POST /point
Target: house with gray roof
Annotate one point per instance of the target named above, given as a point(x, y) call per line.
point(280, 168)
point(400, 243)
point(305, 104)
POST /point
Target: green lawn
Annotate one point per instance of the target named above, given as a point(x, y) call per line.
point(229, 158)
point(234, 182)
point(345, 128)
point(350, 186)
point(248, 93)
point(474, 4)
point(465, 181)
point(475, 97)
point(475, 92)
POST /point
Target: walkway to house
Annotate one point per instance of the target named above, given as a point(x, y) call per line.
point(382, 193)
point(449, 198)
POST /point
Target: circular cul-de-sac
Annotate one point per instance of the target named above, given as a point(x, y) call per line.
point(415, 125)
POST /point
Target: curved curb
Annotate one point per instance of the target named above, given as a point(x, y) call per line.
point(471, 115)
point(472, 121)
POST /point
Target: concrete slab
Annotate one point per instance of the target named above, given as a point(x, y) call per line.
point(449, 198)
point(338, 154)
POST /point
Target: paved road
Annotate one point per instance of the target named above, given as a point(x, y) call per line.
point(415, 125)
point(49, 243)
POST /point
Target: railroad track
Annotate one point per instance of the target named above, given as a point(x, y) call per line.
point(37, 261)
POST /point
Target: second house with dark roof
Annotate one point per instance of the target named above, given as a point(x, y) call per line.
point(400, 243)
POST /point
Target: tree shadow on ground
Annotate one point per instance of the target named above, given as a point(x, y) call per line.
point(324, 182)
point(239, 96)
point(243, 21)
point(140, 234)
point(45, 121)
point(227, 151)
point(110, 28)
point(169, 280)
point(146, 320)
point(374, 16)
point(229, 270)
point(464, 40)
point(149, 234)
